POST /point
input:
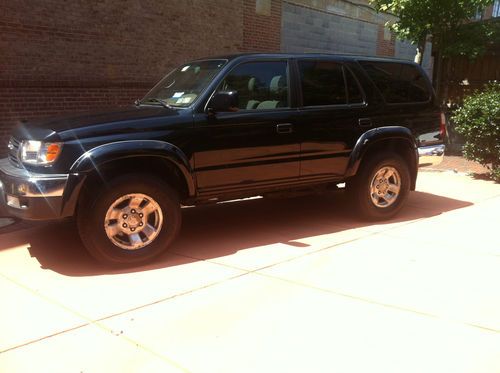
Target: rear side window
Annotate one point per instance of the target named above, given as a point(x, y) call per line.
point(354, 95)
point(398, 82)
point(322, 83)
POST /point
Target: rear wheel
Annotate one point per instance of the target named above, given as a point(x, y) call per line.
point(133, 220)
point(381, 186)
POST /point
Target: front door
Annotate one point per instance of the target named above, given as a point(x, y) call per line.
point(254, 145)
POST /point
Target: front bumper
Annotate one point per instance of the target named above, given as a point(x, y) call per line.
point(430, 155)
point(29, 195)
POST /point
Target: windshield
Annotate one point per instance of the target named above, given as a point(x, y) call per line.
point(183, 85)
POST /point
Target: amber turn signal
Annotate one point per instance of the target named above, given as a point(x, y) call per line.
point(53, 151)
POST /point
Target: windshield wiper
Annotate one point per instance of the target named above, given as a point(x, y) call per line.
point(154, 99)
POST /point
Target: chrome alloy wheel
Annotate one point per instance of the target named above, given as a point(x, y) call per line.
point(385, 187)
point(133, 221)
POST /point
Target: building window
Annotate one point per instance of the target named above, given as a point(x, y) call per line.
point(496, 9)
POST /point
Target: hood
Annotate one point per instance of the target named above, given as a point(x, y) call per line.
point(60, 127)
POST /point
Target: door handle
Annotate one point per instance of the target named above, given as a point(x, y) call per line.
point(284, 128)
point(365, 122)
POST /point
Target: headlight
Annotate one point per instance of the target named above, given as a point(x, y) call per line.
point(37, 152)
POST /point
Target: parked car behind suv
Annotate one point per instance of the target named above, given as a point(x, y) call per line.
point(223, 128)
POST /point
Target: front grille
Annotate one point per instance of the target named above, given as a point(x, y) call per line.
point(14, 151)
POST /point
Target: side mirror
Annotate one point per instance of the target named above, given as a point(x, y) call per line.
point(223, 101)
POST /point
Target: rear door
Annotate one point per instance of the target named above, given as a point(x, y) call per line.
point(408, 97)
point(332, 117)
point(256, 145)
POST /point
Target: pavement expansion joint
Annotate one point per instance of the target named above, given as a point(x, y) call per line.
point(89, 322)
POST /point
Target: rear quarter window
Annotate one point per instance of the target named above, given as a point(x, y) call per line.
point(398, 82)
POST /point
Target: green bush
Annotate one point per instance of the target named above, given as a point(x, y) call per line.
point(478, 121)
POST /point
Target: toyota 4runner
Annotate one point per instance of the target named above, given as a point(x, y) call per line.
point(224, 128)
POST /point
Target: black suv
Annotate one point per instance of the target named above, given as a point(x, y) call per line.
point(224, 128)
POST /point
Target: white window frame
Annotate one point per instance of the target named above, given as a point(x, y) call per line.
point(496, 9)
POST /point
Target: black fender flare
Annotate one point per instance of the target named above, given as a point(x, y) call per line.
point(102, 154)
point(375, 136)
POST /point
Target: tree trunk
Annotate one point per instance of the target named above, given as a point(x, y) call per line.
point(438, 65)
point(446, 88)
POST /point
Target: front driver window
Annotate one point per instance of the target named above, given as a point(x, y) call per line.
point(260, 85)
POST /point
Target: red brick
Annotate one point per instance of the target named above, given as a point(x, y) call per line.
point(87, 55)
point(385, 47)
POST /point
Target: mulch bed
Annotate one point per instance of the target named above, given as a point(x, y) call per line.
point(458, 164)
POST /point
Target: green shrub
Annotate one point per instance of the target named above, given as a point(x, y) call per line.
point(478, 121)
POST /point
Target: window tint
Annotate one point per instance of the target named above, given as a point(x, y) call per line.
point(260, 85)
point(354, 95)
point(398, 82)
point(322, 83)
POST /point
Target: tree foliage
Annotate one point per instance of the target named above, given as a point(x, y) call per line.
point(444, 20)
point(472, 39)
point(478, 121)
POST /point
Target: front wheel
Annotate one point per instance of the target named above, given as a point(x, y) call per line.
point(381, 186)
point(133, 220)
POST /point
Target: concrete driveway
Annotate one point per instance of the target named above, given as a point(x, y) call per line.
point(293, 285)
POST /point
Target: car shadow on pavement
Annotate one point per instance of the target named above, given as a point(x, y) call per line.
point(219, 230)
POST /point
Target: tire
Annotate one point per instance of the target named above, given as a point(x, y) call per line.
point(131, 221)
point(381, 186)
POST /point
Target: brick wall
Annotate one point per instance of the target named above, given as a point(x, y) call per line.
point(261, 26)
point(307, 29)
point(58, 57)
point(65, 56)
point(337, 26)
point(385, 42)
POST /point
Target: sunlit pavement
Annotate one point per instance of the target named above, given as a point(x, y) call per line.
point(293, 285)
